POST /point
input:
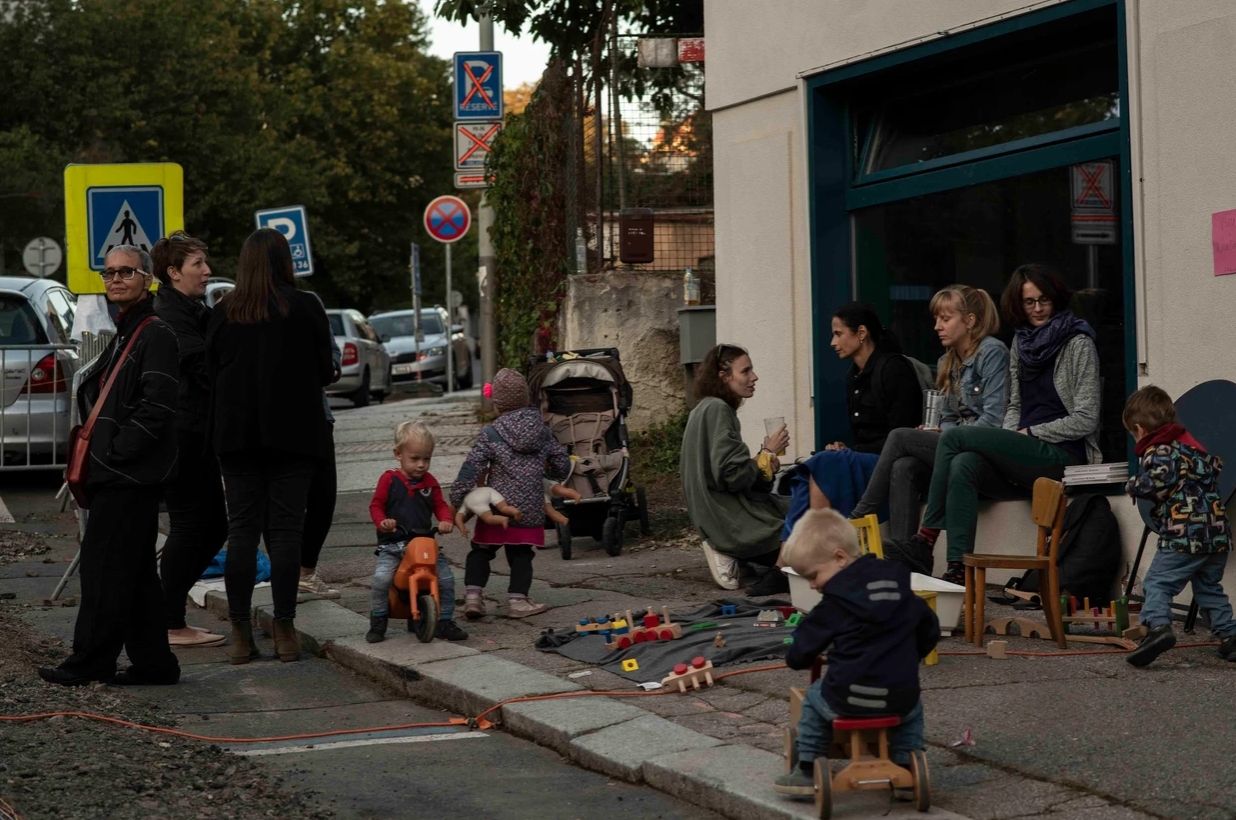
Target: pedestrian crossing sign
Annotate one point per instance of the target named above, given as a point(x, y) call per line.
point(109, 205)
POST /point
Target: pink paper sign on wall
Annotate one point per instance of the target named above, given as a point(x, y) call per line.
point(1223, 238)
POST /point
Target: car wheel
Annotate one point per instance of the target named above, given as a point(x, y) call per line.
point(361, 397)
point(387, 385)
point(465, 381)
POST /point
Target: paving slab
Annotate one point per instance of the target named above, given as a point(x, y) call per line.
point(555, 723)
point(622, 750)
point(393, 662)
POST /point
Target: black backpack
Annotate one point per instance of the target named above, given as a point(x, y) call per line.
point(1089, 555)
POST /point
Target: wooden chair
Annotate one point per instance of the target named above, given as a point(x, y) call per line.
point(868, 528)
point(1047, 512)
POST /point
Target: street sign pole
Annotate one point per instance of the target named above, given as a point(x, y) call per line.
point(485, 247)
point(414, 266)
point(450, 321)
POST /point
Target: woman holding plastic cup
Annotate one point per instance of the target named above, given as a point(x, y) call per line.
point(882, 394)
point(972, 389)
point(1052, 421)
point(728, 492)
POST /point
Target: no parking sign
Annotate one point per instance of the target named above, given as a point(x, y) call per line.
point(447, 219)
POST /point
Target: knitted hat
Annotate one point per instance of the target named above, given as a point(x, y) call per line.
point(510, 390)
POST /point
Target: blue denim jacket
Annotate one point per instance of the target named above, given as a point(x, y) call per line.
point(983, 393)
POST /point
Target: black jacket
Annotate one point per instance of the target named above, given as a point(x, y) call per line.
point(268, 379)
point(134, 441)
point(881, 397)
point(188, 317)
point(875, 630)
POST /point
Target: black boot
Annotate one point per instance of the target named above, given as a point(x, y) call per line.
point(1157, 641)
point(377, 629)
point(772, 582)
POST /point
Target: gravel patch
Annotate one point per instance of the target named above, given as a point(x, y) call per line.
point(73, 768)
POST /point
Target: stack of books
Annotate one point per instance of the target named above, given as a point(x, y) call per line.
point(1113, 473)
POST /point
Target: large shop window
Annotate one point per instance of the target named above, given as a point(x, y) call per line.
point(959, 160)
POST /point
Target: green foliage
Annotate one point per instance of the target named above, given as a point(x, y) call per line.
point(332, 104)
point(530, 218)
point(655, 451)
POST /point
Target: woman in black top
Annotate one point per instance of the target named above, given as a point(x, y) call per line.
point(882, 394)
point(268, 353)
point(132, 454)
point(195, 498)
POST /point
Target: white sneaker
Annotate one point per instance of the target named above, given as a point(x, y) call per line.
point(724, 569)
point(523, 607)
point(311, 584)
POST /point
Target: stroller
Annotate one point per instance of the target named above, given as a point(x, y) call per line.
point(584, 397)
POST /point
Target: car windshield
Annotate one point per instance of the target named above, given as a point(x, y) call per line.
point(336, 324)
point(19, 325)
point(400, 324)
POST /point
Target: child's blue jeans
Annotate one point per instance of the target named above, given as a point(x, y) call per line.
point(815, 730)
point(1169, 573)
point(389, 556)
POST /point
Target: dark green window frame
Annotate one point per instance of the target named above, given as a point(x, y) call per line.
point(833, 192)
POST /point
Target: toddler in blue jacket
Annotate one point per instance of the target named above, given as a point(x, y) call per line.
point(875, 630)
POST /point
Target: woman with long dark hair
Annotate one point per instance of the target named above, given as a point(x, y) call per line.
point(194, 498)
point(882, 394)
point(1052, 421)
point(268, 351)
point(729, 498)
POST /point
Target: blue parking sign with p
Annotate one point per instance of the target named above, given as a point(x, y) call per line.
point(294, 225)
point(122, 215)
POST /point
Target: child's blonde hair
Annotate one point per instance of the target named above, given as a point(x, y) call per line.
point(1150, 407)
point(964, 300)
point(815, 536)
point(413, 432)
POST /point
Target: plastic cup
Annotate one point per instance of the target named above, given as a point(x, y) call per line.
point(771, 425)
point(933, 409)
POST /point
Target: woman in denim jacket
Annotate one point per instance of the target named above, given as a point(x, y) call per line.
point(973, 374)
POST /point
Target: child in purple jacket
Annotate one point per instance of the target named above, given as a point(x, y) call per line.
point(516, 453)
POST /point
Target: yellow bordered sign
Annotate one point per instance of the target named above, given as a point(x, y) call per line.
point(109, 205)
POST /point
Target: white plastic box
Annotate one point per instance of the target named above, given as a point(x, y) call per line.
point(949, 597)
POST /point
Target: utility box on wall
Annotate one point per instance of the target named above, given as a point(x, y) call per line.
point(697, 334)
point(635, 245)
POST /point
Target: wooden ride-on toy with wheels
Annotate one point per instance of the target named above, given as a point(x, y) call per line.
point(414, 590)
point(864, 740)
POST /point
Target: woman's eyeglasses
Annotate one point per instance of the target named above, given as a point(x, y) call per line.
point(124, 272)
point(1042, 301)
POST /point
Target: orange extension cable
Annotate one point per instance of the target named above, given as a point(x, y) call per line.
point(479, 721)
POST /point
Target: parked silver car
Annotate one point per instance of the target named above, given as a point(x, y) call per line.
point(396, 331)
point(216, 288)
point(366, 367)
point(37, 360)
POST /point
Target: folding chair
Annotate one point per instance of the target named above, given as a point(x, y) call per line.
point(1208, 411)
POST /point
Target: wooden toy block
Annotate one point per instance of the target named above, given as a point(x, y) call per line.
point(630, 665)
point(998, 650)
point(729, 609)
point(794, 620)
point(699, 670)
point(626, 632)
point(769, 617)
point(1025, 627)
point(797, 694)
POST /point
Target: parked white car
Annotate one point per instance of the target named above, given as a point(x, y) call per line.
point(366, 366)
point(37, 363)
point(426, 361)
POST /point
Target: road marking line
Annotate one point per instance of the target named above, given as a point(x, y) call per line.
point(327, 744)
point(6, 517)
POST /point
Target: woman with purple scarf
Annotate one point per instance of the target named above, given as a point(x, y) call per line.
point(1052, 421)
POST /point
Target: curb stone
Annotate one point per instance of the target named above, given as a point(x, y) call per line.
point(601, 734)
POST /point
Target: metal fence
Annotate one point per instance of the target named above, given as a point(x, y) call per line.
point(643, 140)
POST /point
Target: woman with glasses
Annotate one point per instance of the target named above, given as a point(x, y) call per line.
point(195, 498)
point(269, 355)
point(132, 454)
point(729, 498)
point(1052, 421)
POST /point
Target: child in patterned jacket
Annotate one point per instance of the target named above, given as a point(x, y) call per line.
point(516, 453)
point(1181, 478)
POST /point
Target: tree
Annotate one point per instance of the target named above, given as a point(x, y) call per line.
point(332, 104)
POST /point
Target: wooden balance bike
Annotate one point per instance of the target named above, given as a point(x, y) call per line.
point(414, 591)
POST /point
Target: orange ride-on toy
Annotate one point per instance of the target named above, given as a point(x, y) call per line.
point(414, 590)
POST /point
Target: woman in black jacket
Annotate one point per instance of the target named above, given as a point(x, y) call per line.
point(195, 498)
point(132, 454)
point(268, 355)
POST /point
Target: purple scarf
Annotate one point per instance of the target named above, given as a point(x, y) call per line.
point(1037, 347)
